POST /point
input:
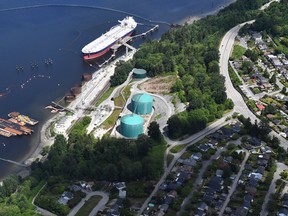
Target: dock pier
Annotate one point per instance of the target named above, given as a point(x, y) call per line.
point(13, 162)
point(64, 108)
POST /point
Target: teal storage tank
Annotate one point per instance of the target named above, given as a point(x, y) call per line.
point(142, 104)
point(139, 73)
point(131, 125)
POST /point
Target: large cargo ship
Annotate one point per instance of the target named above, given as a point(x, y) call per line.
point(22, 119)
point(101, 45)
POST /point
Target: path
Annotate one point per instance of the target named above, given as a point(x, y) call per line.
point(199, 179)
point(235, 183)
point(42, 211)
point(101, 203)
point(280, 168)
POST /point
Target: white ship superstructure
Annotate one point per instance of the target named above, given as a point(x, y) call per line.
point(101, 45)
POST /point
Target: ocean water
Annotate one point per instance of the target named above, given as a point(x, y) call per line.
point(33, 31)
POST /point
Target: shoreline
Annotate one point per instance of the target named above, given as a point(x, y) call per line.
point(191, 19)
point(44, 141)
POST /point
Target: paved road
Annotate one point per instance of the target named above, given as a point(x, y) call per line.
point(239, 103)
point(280, 168)
point(199, 179)
point(101, 203)
point(235, 183)
point(189, 141)
point(225, 50)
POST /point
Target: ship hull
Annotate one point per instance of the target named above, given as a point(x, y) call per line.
point(91, 56)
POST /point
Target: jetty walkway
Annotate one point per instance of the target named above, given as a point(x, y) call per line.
point(13, 162)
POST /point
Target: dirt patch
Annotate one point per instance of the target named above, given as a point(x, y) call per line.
point(159, 84)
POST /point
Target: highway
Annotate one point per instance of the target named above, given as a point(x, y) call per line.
point(240, 106)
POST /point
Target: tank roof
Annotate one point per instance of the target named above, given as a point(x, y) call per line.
point(132, 119)
point(142, 98)
point(139, 71)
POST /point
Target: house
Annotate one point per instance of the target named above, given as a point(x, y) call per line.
point(172, 186)
point(204, 147)
point(208, 199)
point(285, 196)
point(257, 37)
point(236, 127)
point(251, 190)
point(240, 211)
point(216, 183)
point(262, 46)
point(202, 206)
point(122, 194)
point(265, 150)
point(172, 194)
point(219, 204)
point(257, 176)
point(283, 212)
point(260, 106)
point(219, 173)
point(228, 159)
point(227, 132)
point(163, 186)
point(120, 185)
point(213, 143)
point(262, 162)
point(209, 196)
point(260, 170)
point(190, 162)
point(164, 207)
point(197, 156)
point(65, 197)
point(284, 203)
point(254, 141)
point(248, 198)
point(168, 200)
point(199, 213)
point(75, 188)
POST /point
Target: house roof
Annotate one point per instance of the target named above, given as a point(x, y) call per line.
point(260, 106)
point(168, 200)
point(219, 172)
point(216, 183)
point(164, 207)
point(202, 206)
point(240, 211)
point(204, 147)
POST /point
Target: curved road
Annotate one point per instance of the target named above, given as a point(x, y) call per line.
point(240, 106)
point(101, 203)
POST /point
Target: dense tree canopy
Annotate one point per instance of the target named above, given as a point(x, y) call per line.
point(192, 52)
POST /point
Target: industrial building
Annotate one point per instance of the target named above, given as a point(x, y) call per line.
point(139, 73)
point(131, 125)
point(142, 104)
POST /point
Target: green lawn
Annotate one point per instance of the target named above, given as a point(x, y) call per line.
point(238, 51)
point(105, 96)
point(111, 120)
point(177, 148)
point(119, 101)
point(88, 206)
point(169, 159)
point(127, 92)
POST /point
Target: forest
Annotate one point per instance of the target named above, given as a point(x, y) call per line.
point(192, 53)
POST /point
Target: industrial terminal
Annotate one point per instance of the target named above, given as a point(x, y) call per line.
point(135, 117)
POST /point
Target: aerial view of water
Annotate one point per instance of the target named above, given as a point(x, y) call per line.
point(34, 31)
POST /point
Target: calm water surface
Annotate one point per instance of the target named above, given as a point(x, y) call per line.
point(32, 32)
